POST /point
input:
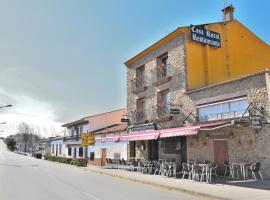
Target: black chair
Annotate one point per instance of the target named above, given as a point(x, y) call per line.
point(255, 168)
point(227, 168)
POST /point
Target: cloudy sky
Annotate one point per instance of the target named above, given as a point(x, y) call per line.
point(62, 60)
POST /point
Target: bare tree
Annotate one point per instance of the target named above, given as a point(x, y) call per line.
point(26, 138)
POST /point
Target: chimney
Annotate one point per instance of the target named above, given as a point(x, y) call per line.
point(228, 13)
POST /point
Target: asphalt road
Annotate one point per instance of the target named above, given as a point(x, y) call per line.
point(27, 178)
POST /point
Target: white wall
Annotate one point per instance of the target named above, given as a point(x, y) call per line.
point(72, 152)
point(63, 150)
point(111, 148)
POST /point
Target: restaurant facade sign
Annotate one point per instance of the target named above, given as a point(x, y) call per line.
point(142, 127)
point(205, 36)
point(256, 118)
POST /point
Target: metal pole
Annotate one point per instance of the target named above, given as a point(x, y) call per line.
point(245, 112)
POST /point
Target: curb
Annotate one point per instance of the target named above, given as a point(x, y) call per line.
point(194, 193)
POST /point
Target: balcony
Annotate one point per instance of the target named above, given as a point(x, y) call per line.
point(163, 113)
point(138, 85)
point(222, 116)
point(162, 75)
point(139, 117)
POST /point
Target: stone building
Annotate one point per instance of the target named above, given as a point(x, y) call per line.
point(233, 102)
point(183, 92)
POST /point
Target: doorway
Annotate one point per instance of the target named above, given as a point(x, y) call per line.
point(153, 149)
point(132, 149)
point(220, 154)
point(183, 148)
point(103, 156)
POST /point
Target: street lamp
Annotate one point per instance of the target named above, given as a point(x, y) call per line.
point(6, 106)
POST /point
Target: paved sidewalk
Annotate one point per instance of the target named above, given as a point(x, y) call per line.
point(248, 190)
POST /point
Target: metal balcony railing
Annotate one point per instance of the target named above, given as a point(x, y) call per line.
point(138, 83)
point(222, 116)
point(163, 72)
point(138, 116)
point(163, 111)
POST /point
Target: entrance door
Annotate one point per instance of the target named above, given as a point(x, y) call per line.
point(183, 148)
point(220, 154)
point(132, 149)
point(153, 149)
point(103, 156)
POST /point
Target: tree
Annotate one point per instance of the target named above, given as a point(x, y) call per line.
point(26, 138)
point(11, 143)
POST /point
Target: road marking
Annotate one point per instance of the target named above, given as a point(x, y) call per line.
point(91, 196)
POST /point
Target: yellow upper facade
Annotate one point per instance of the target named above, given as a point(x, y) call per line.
point(241, 53)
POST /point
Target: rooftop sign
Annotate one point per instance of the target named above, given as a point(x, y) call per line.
point(204, 36)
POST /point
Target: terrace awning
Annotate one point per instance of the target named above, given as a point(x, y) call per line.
point(163, 133)
point(114, 138)
point(142, 135)
point(188, 130)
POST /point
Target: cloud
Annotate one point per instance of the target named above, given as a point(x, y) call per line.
point(26, 105)
point(41, 127)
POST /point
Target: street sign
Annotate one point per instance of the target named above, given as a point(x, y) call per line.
point(88, 139)
point(85, 139)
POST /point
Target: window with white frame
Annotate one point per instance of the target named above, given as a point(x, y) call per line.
point(60, 149)
point(229, 109)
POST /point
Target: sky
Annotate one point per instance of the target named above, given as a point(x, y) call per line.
point(61, 60)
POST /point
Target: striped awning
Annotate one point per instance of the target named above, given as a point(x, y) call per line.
point(114, 138)
point(163, 133)
point(143, 135)
point(185, 131)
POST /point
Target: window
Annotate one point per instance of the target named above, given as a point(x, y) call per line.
point(52, 148)
point(69, 151)
point(162, 66)
point(80, 130)
point(69, 131)
point(140, 109)
point(92, 155)
point(140, 72)
point(171, 145)
point(223, 110)
point(163, 102)
point(81, 152)
point(74, 152)
point(60, 149)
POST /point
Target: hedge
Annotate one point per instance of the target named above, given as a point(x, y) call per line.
point(82, 162)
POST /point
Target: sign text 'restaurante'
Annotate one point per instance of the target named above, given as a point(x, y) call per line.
point(204, 36)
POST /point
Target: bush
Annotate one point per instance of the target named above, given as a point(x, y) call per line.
point(82, 162)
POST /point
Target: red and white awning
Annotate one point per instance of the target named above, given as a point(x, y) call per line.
point(163, 133)
point(185, 131)
point(114, 138)
point(143, 135)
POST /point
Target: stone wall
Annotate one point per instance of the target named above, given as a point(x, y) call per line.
point(176, 50)
point(243, 146)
